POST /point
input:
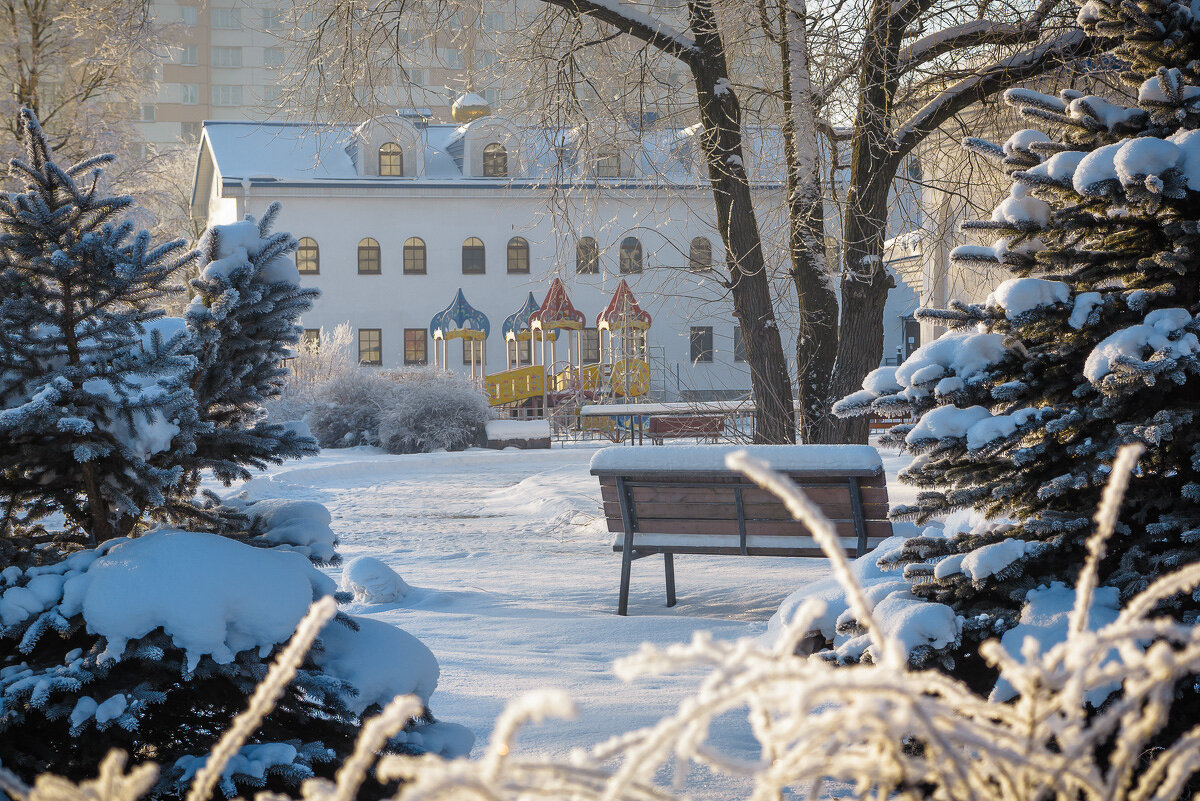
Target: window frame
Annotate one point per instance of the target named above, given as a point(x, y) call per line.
point(397, 154)
point(495, 160)
point(626, 262)
point(364, 346)
point(608, 163)
point(696, 338)
point(412, 246)
point(521, 246)
point(739, 345)
point(365, 247)
point(693, 262)
point(316, 255)
point(482, 250)
point(410, 340)
point(590, 260)
point(589, 346)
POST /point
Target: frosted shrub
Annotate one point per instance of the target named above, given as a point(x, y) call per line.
point(439, 412)
point(869, 730)
point(406, 411)
point(346, 410)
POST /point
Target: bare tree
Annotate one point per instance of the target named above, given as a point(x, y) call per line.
point(82, 66)
point(698, 46)
point(919, 65)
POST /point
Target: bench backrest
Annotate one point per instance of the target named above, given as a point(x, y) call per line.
point(707, 424)
point(723, 512)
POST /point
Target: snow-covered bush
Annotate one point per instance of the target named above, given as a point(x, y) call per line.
point(345, 411)
point(406, 411)
point(153, 644)
point(1093, 341)
point(315, 363)
point(441, 412)
point(863, 731)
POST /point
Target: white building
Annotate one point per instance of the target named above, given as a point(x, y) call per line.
point(396, 215)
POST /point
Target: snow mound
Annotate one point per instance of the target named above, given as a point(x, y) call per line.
point(372, 581)
point(379, 660)
point(518, 429)
point(946, 421)
point(302, 526)
point(200, 589)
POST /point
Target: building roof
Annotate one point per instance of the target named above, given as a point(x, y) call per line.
point(300, 152)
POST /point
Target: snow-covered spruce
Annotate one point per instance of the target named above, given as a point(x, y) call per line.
point(243, 324)
point(153, 644)
point(1093, 341)
point(93, 383)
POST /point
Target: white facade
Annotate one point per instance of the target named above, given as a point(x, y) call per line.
point(327, 180)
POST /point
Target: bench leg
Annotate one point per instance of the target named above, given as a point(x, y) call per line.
point(626, 565)
point(669, 566)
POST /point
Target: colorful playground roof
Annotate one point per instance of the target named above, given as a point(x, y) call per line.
point(557, 311)
point(459, 320)
point(516, 325)
point(623, 311)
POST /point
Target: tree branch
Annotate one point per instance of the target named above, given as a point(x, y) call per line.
point(1020, 67)
point(628, 20)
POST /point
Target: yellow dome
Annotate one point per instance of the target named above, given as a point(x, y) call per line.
point(469, 106)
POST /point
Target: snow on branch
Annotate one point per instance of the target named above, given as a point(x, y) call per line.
point(1019, 67)
point(969, 34)
point(637, 24)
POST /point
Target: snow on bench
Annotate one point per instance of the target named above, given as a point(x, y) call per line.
point(685, 500)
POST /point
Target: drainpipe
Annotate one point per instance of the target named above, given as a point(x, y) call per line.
point(245, 196)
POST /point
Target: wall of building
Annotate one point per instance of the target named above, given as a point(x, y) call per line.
point(678, 298)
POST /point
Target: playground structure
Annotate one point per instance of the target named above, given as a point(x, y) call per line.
point(546, 386)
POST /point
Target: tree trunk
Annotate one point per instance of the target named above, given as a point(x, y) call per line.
point(720, 118)
point(865, 282)
point(816, 339)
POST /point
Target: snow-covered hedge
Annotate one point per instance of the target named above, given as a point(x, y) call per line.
point(407, 411)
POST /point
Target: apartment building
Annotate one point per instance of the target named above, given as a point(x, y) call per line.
point(233, 54)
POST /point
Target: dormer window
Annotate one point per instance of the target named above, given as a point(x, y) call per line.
point(391, 160)
point(608, 164)
point(495, 161)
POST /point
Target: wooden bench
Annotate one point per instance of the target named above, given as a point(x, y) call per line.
point(676, 426)
point(685, 501)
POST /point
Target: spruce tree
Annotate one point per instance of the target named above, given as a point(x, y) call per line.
point(243, 324)
point(1090, 344)
point(91, 381)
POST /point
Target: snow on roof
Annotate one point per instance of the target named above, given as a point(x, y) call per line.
point(704, 458)
point(304, 151)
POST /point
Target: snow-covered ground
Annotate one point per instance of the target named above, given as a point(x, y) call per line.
point(515, 584)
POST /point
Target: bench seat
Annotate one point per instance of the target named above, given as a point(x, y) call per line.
point(683, 501)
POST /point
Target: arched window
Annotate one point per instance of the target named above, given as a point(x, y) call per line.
point(473, 262)
point(414, 256)
point(308, 256)
point(631, 255)
point(608, 163)
point(495, 161)
point(587, 256)
point(700, 254)
point(518, 255)
point(368, 257)
point(391, 159)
